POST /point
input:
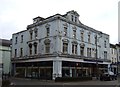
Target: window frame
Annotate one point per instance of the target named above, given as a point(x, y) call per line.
point(74, 34)
point(82, 36)
point(16, 40)
point(21, 38)
point(105, 54)
point(65, 31)
point(89, 39)
point(15, 52)
point(65, 48)
point(47, 31)
point(88, 52)
point(21, 52)
point(47, 48)
point(74, 49)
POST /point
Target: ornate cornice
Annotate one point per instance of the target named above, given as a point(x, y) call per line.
point(47, 25)
point(82, 44)
point(65, 40)
point(74, 42)
point(47, 41)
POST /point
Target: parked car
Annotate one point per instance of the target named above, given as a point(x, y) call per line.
point(108, 76)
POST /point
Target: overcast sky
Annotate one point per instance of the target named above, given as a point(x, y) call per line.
point(101, 15)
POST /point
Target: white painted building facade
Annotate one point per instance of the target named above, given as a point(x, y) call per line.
point(59, 46)
point(118, 58)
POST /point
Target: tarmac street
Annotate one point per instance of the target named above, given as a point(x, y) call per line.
point(49, 83)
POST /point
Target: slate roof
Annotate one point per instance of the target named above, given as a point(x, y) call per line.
point(4, 42)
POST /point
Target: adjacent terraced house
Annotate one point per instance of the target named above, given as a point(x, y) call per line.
point(5, 56)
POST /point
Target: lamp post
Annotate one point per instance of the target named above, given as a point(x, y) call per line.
point(96, 40)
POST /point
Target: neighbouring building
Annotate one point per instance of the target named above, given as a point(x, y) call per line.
point(113, 57)
point(5, 56)
point(118, 58)
point(59, 46)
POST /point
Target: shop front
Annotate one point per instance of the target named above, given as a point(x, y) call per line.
point(53, 69)
point(78, 69)
point(35, 70)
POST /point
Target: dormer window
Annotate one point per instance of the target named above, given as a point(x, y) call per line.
point(37, 19)
point(73, 16)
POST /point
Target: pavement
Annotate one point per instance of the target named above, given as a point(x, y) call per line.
point(51, 83)
point(0, 82)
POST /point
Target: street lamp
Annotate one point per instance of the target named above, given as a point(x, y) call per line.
point(96, 40)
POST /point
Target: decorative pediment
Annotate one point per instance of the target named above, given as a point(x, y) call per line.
point(82, 30)
point(82, 44)
point(47, 25)
point(74, 42)
point(30, 45)
point(30, 30)
point(47, 41)
point(73, 12)
point(65, 24)
point(89, 33)
point(35, 29)
point(65, 40)
point(35, 43)
point(74, 28)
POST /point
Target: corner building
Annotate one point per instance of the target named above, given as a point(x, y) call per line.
point(59, 46)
